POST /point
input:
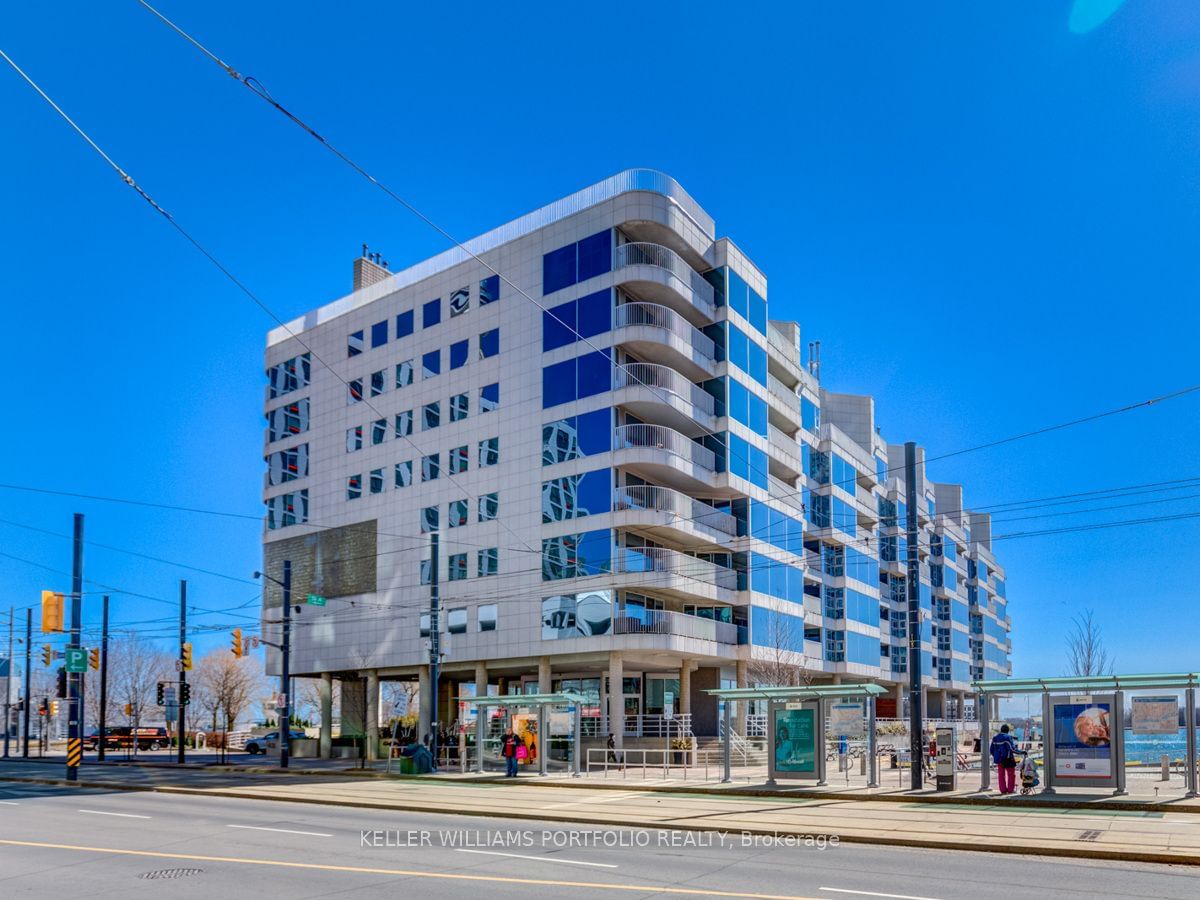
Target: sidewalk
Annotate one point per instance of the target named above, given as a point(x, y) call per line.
point(1100, 833)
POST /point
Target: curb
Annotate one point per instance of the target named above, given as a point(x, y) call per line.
point(1090, 852)
point(985, 800)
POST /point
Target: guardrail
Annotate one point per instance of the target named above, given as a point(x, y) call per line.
point(664, 378)
point(664, 499)
point(682, 624)
point(641, 253)
point(664, 559)
point(624, 760)
point(655, 315)
point(661, 437)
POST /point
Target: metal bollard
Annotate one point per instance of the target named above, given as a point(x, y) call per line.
point(862, 764)
point(1166, 768)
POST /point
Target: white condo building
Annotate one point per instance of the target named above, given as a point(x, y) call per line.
point(639, 488)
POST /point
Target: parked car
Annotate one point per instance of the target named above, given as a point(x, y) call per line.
point(259, 744)
point(122, 737)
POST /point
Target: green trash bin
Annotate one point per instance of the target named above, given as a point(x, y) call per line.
point(406, 766)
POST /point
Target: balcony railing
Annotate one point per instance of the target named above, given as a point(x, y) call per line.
point(663, 438)
point(655, 315)
point(667, 622)
point(644, 254)
point(650, 496)
point(664, 559)
point(663, 378)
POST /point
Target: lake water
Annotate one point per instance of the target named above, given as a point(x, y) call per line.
point(1149, 748)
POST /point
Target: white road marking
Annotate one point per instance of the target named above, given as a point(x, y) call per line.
point(595, 800)
point(280, 830)
point(100, 812)
point(873, 894)
point(569, 862)
point(9, 803)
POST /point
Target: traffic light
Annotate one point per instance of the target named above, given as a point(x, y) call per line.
point(43, 708)
point(47, 654)
point(54, 707)
point(94, 658)
point(52, 612)
point(185, 694)
point(61, 685)
point(238, 650)
point(160, 695)
point(185, 656)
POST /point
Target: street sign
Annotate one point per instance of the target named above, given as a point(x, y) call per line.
point(669, 704)
point(76, 660)
point(315, 600)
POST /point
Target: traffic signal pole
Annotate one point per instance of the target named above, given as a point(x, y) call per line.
point(181, 731)
point(74, 693)
point(100, 741)
point(12, 613)
point(28, 665)
point(915, 713)
point(285, 714)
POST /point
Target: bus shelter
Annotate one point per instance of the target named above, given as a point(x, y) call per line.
point(796, 726)
point(1083, 725)
point(544, 705)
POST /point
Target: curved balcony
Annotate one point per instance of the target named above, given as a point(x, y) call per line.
point(665, 455)
point(674, 515)
point(668, 622)
point(678, 573)
point(661, 395)
point(659, 334)
point(664, 276)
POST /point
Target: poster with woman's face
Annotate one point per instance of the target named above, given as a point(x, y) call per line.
point(1082, 740)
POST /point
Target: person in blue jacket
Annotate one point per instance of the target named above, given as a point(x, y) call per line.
point(1004, 754)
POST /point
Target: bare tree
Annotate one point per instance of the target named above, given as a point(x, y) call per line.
point(229, 685)
point(135, 666)
point(779, 664)
point(1086, 653)
point(308, 698)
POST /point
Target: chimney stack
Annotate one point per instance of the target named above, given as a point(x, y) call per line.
point(369, 269)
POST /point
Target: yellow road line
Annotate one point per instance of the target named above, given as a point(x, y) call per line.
point(448, 876)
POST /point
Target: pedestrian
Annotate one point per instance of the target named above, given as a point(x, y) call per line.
point(1004, 754)
point(612, 750)
point(508, 749)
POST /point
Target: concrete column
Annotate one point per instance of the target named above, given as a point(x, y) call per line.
point(481, 679)
point(616, 698)
point(685, 687)
point(742, 707)
point(372, 714)
point(837, 678)
point(423, 695)
point(325, 690)
point(545, 682)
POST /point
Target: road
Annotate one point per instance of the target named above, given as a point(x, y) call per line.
point(74, 842)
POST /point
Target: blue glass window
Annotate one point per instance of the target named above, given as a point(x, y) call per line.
point(404, 324)
point(595, 255)
point(458, 354)
point(431, 313)
point(379, 334)
point(758, 312)
point(738, 297)
point(558, 326)
point(354, 344)
point(574, 496)
point(810, 415)
point(595, 313)
point(489, 290)
point(489, 397)
point(489, 343)
point(431, 364)
point(558, 269)
point(572, 379)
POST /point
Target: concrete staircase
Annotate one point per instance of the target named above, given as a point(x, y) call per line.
point(746, 751)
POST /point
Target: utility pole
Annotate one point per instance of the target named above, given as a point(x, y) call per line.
point(28, 659)
point(100, 741)
point(12, 613)
point(74, 692)
point(285, 729)
point(435, 648)
point(180, 730)
point(915, 713)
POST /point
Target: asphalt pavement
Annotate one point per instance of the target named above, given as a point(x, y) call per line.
point(59, 841)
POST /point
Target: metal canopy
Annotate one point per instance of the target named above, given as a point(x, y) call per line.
point(1097, 683)
point(565, 698)
point(803, 692)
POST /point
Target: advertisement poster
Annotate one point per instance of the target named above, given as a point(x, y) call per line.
point(795, 740)
point(1155, 715)
point(525, 726)
point(1082, 740)
point(846, 720)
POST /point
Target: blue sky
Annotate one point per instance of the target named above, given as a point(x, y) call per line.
point(987, 217)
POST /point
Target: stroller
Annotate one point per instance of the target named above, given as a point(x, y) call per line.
point(1029, 775)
